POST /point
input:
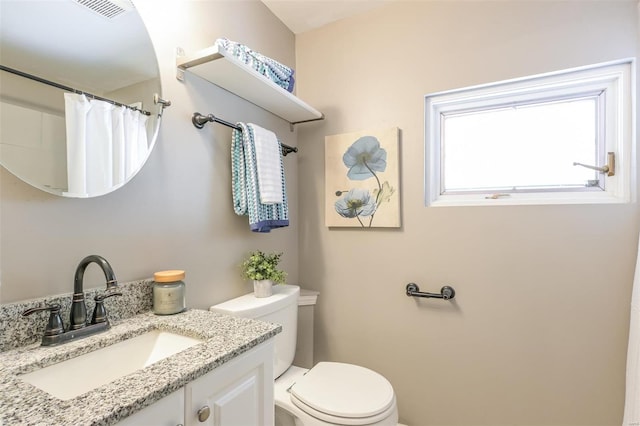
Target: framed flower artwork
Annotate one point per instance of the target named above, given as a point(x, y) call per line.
point(362, 179)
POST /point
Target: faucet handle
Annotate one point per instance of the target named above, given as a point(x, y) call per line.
point(55, 325)
point(99, 312)
point(101, 297)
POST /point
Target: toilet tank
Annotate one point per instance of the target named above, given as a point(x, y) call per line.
point(279, 308)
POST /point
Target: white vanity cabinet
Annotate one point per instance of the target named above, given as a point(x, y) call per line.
point(238, 393)
point(169, 411)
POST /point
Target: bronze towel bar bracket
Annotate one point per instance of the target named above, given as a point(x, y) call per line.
point(199, 120)
point(446, 292)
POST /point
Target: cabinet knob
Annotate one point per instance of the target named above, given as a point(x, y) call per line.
point(203, 413)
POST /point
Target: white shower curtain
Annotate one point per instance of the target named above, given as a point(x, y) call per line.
point(76, 108)
point(136, 136)
point(99, 147)
point(632, 398)
point(106, 144)
point(119, 176)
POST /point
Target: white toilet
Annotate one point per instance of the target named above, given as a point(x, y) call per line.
point(329, 393)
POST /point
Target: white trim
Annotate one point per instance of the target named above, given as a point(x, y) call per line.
point(617, 78)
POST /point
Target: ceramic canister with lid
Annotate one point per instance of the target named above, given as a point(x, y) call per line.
point(168, 292)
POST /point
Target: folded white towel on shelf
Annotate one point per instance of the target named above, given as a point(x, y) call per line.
point(269, 165)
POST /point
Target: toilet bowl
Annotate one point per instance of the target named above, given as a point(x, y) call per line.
point(354, 398)
point(329, 393)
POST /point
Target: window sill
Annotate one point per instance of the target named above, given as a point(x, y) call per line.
point(526, 199)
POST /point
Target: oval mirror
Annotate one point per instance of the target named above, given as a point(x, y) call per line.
point(77, 89)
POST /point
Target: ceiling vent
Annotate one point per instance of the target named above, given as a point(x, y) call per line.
point(107, 8)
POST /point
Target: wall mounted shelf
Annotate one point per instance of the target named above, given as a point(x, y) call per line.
point(221, 68)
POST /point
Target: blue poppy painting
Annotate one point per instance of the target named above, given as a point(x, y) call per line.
point(365, 157)
point(362, 178)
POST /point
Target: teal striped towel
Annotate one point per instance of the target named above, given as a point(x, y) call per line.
point(244, 181)
point(277, 72)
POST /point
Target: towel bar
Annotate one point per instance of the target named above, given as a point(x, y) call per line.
point(446, 292)
point(200, 120)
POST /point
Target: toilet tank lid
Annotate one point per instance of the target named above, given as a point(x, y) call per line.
point(307, 297)
point(249, 306)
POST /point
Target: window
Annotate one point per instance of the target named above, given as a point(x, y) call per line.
point(537, 140)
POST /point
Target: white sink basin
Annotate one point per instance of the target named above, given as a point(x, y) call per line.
point(76, 376)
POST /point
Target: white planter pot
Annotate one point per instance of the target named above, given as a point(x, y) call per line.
point(262, 288)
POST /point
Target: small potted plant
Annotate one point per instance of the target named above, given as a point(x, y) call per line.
point(262, 269)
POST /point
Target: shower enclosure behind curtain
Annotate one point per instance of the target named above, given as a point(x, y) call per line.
point(632, 399)
point(106, 144)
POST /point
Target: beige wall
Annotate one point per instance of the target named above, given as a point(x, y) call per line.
point(177, 213)
point(537, 332)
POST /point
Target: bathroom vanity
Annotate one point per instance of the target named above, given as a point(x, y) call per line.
point(235, 391)
point(227, 378)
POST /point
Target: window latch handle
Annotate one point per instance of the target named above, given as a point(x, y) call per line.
point(609, 168)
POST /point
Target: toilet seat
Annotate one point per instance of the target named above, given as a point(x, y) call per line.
point(344, 394)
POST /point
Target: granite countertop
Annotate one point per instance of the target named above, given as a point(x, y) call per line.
point(225, 337)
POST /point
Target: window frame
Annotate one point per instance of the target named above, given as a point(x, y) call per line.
point(615, 79)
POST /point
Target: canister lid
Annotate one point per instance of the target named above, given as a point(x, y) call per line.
point(168, 276)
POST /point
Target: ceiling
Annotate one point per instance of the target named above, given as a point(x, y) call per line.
point(304, 15)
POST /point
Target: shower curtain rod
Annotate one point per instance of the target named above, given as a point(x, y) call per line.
point(200, 120)
point(67, 88)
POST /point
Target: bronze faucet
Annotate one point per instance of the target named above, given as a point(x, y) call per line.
point(78, 317)
point(54, 333)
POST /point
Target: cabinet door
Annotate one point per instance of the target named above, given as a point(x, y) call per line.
point(239, 393)
point(169, 411)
